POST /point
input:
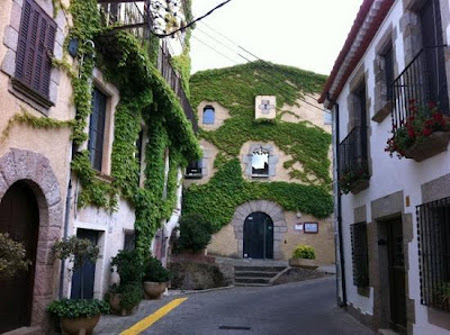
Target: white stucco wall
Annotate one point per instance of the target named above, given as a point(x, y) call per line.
point(389, 175)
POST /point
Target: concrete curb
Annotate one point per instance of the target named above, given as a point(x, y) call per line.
point(190, 292)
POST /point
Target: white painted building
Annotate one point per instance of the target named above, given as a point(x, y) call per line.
point(393, 215)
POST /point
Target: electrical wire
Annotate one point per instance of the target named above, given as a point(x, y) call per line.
point(247, 51)
point(262, 78)
point(192, 22)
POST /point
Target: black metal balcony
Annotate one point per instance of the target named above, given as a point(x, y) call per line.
point(422, 81)
point(353, 161)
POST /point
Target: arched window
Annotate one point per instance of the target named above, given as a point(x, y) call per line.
point(209, 115)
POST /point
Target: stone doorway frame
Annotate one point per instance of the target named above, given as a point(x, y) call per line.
point(274, 211)
point(34, 169)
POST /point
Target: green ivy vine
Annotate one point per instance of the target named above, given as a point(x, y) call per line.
point(235, 88)
point(145, 99)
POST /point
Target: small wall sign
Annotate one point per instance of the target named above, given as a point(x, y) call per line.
point(311, 227)
point(298, 226)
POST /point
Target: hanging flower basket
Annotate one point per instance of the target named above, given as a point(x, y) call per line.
point(425, 133)
point(354, 181)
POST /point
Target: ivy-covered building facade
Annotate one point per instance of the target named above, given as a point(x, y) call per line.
point(264, 180)
point(95, 129)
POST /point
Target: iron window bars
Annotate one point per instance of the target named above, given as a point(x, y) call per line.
point(433, 225)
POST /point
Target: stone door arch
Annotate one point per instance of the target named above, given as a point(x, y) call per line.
point(276, 214)
point(33, 170)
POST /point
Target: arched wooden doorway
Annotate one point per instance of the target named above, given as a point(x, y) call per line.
point(258, 236)
point(19, 217)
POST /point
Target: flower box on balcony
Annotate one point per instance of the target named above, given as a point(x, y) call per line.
point(432, 145)
point(354, 182)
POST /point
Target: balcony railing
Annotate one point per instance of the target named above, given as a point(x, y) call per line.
point(172, 78)
point(134, 17)
point(353, 152)
point(423, 80)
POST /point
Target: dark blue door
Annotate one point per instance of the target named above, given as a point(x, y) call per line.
point(258, 236)
point(83, 278)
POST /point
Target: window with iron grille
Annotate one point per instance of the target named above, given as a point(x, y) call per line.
point(194, 170)
point(97, 129)
point(360, 257)
point(34, 51)
point(433, 222)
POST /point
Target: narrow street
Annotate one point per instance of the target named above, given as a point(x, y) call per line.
point(304, 308)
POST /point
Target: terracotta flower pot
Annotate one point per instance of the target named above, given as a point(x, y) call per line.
point(154, 290)
point(303, 263)
point(432, 145)
point(116, 309)
point(79, 326)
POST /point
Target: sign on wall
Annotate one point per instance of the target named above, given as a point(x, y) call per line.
point(311, 227)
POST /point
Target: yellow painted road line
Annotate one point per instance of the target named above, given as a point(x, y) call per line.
point(152, 318)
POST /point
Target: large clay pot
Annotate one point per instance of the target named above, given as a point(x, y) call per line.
point(154, 290)
point(79, 326)
point(116, 309)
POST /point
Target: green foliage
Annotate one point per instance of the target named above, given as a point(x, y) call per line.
point(218, 199)
point(76, 250)
point(130, 294)
point(72, 309)
point(304, 252)
point(129, 266)
point(155, 272)
point(94, 191)
point(195, 232)
point(12, 257)
point(35, 122)
point(235, 88)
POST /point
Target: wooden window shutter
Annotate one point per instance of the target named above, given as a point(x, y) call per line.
point(35, 48)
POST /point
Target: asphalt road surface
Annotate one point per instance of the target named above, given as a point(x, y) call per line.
point(302, 308)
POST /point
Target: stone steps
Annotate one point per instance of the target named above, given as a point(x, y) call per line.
point(253, 275)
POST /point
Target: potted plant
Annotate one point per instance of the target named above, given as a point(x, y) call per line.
point(303, 256)
point(12, 257)
point(155, 278)
point(442, 296)
point(195, 234)
point(125, 296)
point(77, 316)
point(354, 181)
point(424, 133)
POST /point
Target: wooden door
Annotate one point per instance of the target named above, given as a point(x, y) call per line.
point(19, 217)
point(258, 236)
point(396, 263)
point(83, 279)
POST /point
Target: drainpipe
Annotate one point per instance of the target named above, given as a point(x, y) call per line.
point(69, 194)
point(66, 232)
point(343, 302)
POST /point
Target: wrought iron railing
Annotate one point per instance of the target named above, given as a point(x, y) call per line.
point(433, 222)
point(353, 156)
point(360, 254)
point(422, 81)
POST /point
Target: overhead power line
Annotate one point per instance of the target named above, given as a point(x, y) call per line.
point(247, 51)
point(262, 78)
point(193, 21)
